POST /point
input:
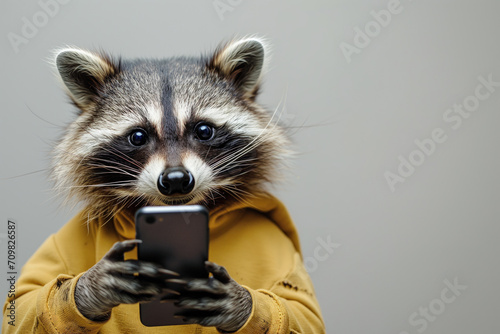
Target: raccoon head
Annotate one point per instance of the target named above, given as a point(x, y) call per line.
point(167, 132)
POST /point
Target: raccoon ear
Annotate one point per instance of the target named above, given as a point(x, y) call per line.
point(242, 62)
point(83, 74)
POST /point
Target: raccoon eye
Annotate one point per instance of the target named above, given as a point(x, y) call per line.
point(138, 137)
point(204, 131)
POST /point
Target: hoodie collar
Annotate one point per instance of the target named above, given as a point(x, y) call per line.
point(265, 203)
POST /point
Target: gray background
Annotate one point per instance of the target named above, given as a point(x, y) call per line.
point(393, 250)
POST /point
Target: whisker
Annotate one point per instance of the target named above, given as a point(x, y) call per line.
point(256, 141)
point(109, 184)
point(115, 162)
point(25, 174)
point(111, 169)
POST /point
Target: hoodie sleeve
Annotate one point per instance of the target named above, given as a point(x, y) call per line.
point(290, 306)
point(261, 251)
point(43, 301)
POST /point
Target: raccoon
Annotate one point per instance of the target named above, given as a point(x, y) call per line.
point(164, 132)
point(169, 132)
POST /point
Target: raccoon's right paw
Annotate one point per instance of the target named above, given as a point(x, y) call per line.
point(113, 281)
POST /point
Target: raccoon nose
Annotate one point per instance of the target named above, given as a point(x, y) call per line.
point(176, 180)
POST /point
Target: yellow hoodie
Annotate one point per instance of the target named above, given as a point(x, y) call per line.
point(256, 242)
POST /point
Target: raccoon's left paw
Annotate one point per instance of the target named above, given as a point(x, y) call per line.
point(217, 301)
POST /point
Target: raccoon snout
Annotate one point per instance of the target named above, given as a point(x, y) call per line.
point(176, 180)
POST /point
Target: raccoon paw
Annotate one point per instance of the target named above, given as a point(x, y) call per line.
point(113, 281)
point(218, 301)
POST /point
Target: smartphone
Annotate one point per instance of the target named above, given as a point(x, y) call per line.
point(175, 237)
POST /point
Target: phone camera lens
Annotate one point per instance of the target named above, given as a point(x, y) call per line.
point(150, 219)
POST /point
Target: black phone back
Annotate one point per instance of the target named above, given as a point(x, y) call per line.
point(176, 237)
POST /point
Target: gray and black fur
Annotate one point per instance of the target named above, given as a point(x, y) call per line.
point(95, 161)
point(161, 132)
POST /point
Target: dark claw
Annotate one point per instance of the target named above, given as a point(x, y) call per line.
point(170, 291)
point(176, 281)
point(167, 272)
point(120, 247)
point(219, 272)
